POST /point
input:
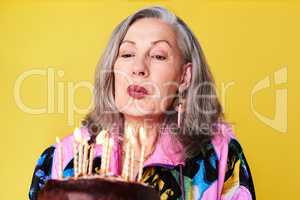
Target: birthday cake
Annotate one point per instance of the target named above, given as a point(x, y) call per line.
point(85, 185)
point(96, 189)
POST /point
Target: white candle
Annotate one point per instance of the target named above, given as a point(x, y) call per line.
point(126, 162)
point(131, 163)
point(80, 159)
point(105, 144)
point(103, 159)
point(132, 153)
point(143, 139)
point(100, 140)
point(85, 157)
point(109, 151)
point(75, 159)
point(100, 137)
point(91, 160)
point(125, 170)
point(141, 163)
point(78, 138)
point(60, 161)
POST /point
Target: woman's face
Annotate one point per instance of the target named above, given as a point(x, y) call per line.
point(149, 69)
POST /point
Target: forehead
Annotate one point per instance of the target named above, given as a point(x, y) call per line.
point(149, 30)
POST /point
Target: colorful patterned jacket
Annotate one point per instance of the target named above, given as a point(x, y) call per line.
point(223, 174)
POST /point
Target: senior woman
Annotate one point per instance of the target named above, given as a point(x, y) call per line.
point(153, 74)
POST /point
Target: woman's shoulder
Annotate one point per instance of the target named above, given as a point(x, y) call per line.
point(46, 157)
point(42, 171)
point(224, 138)
point(234, 171)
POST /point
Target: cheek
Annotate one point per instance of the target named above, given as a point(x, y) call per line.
point(168, 93)
point(168, 85)
point(121, 97)
point(122, 79)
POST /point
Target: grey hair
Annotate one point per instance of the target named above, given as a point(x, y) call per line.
point(196, 128)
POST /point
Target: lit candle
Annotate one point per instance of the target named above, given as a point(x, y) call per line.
point(100, 137)
point(91, 159)
point(100, 141)
point(75, 159)
point(78, 138)
point(143, 139)
point(126, 162)
point(60, 161)
point(103, 140)
point(131, 163)
point(85, 157)
point(80, 159)
point(108, 156)
point(125, 173)
point(132, 145)
point(103, 159)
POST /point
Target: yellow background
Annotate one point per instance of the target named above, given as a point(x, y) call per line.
point(244, 41)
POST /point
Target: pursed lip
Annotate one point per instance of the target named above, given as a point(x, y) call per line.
point(136, 91)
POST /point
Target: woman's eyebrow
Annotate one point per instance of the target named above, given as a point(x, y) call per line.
point(128, 41)
point(165, 41)
point(153, 43)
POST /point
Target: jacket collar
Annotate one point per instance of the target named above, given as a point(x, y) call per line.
point(168, 150)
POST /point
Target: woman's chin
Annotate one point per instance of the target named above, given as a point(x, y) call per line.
point(137, 113)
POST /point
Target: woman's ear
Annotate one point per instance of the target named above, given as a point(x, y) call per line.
point(186, 76)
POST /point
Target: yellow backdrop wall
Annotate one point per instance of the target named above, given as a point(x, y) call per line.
point(49, 50)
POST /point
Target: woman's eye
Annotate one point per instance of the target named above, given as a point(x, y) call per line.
point(159, 57)
point(127, 55)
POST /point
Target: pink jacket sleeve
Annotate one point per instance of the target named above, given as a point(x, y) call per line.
point(234, 177)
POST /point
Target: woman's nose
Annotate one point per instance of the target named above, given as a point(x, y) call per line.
point(140, 68)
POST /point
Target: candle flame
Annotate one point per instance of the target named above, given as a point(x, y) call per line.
point(57, 140)
point(100, 137)
point(130, 135)
point(111, 142)
point(85, 142)
point(142, 134)
point(129, 132)
point(77, 135)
